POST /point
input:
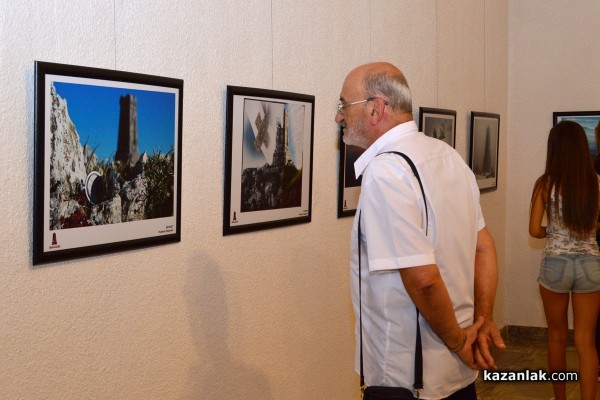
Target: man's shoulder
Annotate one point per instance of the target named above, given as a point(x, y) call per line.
point(421, 148)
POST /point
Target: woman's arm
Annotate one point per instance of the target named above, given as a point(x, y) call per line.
point(538, 207)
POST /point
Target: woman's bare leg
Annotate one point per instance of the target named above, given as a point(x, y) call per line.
point(585, 316)
point(555, 308)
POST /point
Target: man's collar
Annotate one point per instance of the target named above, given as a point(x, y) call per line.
point(390, 136)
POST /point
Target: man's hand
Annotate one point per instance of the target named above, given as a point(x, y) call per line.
point(467, 354)
point(488, 333)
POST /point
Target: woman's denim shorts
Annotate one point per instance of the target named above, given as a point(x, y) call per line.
point(578, 273)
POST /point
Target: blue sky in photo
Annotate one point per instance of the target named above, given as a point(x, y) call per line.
point(95, 111)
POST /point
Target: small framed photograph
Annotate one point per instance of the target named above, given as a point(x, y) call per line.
point(107, 174)
point(438, 123)
point(483, 155)
point(348, 184)
point(589, 120)
point(268, 159)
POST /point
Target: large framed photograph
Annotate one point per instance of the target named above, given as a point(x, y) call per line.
point(107, 173)
point(589, 120)
point(438, 123)
point(348, 184)
point(483, 155)
point(268, 159)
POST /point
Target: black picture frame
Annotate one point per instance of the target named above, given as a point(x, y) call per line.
point(587, 119)
point(348, 184)
point(438, 123)
point(483, 154)
point(268, 159)
point(107, 173)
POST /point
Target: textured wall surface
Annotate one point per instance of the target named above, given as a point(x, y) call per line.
point(259, 315)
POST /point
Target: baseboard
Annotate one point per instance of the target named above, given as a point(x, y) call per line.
point(528, 334)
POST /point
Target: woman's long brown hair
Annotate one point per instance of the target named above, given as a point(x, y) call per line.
point(570, 171)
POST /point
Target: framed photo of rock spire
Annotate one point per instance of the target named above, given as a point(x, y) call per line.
point(107, 174)
point(483, 154)
point(268, 159)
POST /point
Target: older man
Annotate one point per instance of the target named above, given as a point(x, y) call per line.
point(441, 260)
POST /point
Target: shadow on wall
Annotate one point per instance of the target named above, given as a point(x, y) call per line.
point(217, 374)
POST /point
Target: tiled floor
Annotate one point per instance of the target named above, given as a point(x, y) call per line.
point(525, 354)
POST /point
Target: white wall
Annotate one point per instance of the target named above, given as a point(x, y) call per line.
point(258, 315)
point(553, 66)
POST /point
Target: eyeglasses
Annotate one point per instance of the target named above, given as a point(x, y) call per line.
point(342, 105)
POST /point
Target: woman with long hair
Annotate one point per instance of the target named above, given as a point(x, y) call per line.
point(567, 193)
point(597, 168)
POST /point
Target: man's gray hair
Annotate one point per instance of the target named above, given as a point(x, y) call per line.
point(391, 87)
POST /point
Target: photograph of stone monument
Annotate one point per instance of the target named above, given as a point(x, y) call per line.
point(484, 148)
point(484, 153)
point(438, 123)
point(268, 159)
point(111, 155)
point(271, 155)
point(440, 128)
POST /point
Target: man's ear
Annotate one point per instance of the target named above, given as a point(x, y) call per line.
point(376, 112)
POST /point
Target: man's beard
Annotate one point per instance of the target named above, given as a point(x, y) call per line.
point(354, 136)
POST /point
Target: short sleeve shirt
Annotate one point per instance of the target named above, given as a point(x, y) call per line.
point(394, 236)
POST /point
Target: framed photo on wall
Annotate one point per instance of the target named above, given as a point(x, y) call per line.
point(107, 173)
point(587, 119)
point(348, 184)
point(268, 159)
point(438, 123)
point(483, 155)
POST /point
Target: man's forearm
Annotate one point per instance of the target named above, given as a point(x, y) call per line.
point(486, 275)
point(427, 290)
